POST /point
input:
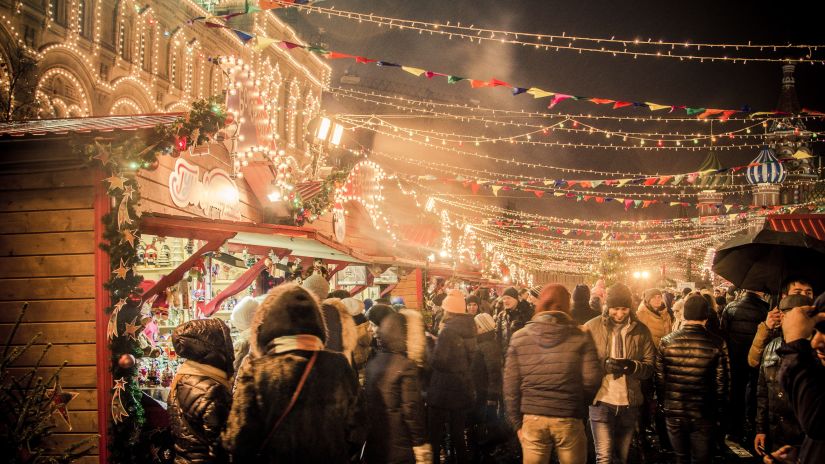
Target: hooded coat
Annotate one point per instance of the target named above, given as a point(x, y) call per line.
point(451, 382)
point(580, 310)
point(327, 420)
point(658, 321)
point(200, 398)
point(341, 330)
point(393, 393)
point(800, 375)
point(551, 369)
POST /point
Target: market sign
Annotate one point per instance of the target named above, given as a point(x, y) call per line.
point(390, 276)
point(352, 275)
point(216, 194)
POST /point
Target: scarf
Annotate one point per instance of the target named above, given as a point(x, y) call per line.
point(302, 342)
point(204, 370)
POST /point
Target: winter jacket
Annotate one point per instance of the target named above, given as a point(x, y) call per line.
point(551, 369)
point(774, 416)
point(508, 322)
point(692, 374)
point(393, 394)
point(200, 399)
point(341, 331)
point(658, 322)
point(580, 310)
point(487, 367)
point(801, 374)
point(451, 382)
point(739, 323)
point(363, 347)
point(327, 422)
point(638, 347)
point(763, 336)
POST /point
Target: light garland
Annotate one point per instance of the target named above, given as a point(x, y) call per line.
point(364, 186)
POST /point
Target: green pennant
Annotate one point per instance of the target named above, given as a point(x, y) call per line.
point(250, 8)
point(692, 111)
point(317, 49)
point(454, 79)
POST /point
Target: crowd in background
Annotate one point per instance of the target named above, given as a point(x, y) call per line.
point(530, 375)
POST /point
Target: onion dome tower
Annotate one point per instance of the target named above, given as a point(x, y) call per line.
point(710, 180)
point(766, 175)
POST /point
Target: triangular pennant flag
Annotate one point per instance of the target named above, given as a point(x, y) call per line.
point(262, 43)
point(674, 203)
point(518, 90)
point(621, 104)
point(727, 114)
point(388, 64)
point(498, 83)
point(709, 113)
point(538, 193)
point(475, 83)
point(623, 182)
point(678, 178)
point(637, 202)
point(364, 60)
point(627, 204)
point(650, 181)
point(474, 187)
point(692, 111)
point(802, 155)
point(413, 71)
point(288, 45)
point(549, 182)
point(600, 199)
point(558, 194)
point(431, 74)
point(496, 188)
point(337, 55)
point(539, 93)
point(656, 106)
point(646, 203)
point(602, 101)
point(595, 183)
point(243, 35)
point(317, 49)
point(215, 25)
point(663, 180)
point(558, 98)
point(454, 79)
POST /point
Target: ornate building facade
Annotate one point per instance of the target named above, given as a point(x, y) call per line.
point(119, 57)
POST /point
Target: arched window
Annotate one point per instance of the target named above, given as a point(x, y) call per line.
point(125, 39)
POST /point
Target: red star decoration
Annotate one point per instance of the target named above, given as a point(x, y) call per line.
point(60, 401)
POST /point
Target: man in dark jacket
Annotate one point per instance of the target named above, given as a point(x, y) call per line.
point(201, 393)
point(512, 318)
point(626, 349)
point(451, 393)
point(692, 383)
point(739, 325)
point(551, 372)
point(581, 312)
point(326, 422)
point(801, 374)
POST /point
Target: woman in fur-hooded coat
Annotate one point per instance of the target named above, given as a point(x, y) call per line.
point(397, 428)
point(342, 335)
point(327, 420)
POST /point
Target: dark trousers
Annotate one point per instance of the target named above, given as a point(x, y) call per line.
point(454, 421)
point(692, 439)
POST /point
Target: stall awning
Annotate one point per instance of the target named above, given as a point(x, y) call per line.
point(811, 224)
point(87, 125)
point(299, 246)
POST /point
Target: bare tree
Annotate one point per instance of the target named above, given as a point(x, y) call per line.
point(18, 82)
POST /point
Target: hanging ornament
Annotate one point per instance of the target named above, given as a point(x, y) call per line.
point(115, 182)
point(121, 270)
point(118, 410)
point(128, 191)
point(132, 329)
point(111, 328)
point(123, 214)
point(129, 237)
point(60, 401)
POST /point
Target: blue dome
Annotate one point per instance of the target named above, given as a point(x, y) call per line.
point(769, 170)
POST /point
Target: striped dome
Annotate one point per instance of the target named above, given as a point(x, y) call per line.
point(769, 170)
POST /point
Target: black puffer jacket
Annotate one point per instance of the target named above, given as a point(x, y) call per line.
point(551, 369)
point(774, 416)
point(739, 323)
point(393, 393)
point(451, 382)
point(199, 403)
point(580, 310)
point(692, 373)
point(487, 367)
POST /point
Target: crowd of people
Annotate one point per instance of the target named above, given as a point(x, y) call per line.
point(533, 374)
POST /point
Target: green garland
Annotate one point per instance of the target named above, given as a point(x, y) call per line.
point(310, 210)
point(122, 157)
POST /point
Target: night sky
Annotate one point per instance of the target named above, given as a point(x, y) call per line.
point(662, 80)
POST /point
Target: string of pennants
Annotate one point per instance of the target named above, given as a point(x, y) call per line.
point(260, 42)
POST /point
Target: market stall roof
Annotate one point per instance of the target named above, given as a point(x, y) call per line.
point(811, 224)
point(300, 246)
point(101, 124)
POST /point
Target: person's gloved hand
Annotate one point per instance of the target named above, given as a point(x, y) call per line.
point(629, 366)
point(614, 366)
point(423, 454)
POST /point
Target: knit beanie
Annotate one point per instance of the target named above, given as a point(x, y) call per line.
point(535, 291)
point(485, 323)
point(354, 307)
point(378, 312)
point(650, 293)
point(511, 292)
point(454, 302)
point(554, 297)
point(317, 285)
point(581, 294)
point(244, 311)
point(473, 299)
point(696, 308)
point(619, 296)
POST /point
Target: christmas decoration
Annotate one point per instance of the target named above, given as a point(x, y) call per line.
point(60, 401)
point(126, 361)
point(119, 411)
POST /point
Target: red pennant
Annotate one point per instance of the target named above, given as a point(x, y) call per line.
point(538, 193)
point(337, 55)
point(621, 104)
point(496, 83)
point(478, 84)
point(361, 59)
point(602, 101)
point(474, 187)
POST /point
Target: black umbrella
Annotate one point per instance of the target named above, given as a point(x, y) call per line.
point(762, 261)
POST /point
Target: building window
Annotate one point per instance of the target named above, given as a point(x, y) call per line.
point(57, 12)
point(28, 35)
point(125, 42)
point(81, 17)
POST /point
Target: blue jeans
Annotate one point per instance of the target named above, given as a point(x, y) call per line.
point(692, 439)
point(613, 428)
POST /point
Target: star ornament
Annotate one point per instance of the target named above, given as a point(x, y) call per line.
point(116, 182)
point(129, 236)
point(132, 329)
point(128, 191)
point(121, 270)
point(60, 400)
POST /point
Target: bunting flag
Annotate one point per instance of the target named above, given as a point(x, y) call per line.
point(557, 97)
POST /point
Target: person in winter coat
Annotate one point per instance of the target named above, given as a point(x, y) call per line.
point(451, 393)
point(241, 319)
point(473, 305)
point(739, 324)
point(512, 318)
point(653, 314)
point(483, 295)
point(201, 393)
point(776, 425)
point(769, 329)
point(342, 336)
point(363, 348)
point(580, 311)
point(692, 376)
point(487, 366)
point(625, 348)
point(801, 370)
point(317, 285)
point(326, 421)
point(397, 427)
point(551, 372)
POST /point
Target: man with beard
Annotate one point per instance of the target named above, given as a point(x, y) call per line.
point(511, 318)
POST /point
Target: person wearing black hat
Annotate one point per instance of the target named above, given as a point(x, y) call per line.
point(692, 377)
point(512, 318)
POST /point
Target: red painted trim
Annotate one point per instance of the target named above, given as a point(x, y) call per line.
point(102, 206)
point(389, 288)
point(243, 281)
point(177, 274)
point(335, 270)
point(419, 287)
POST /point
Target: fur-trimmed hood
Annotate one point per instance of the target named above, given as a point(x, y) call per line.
point(341, 329)
point(403, 333)
point(288, 309)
